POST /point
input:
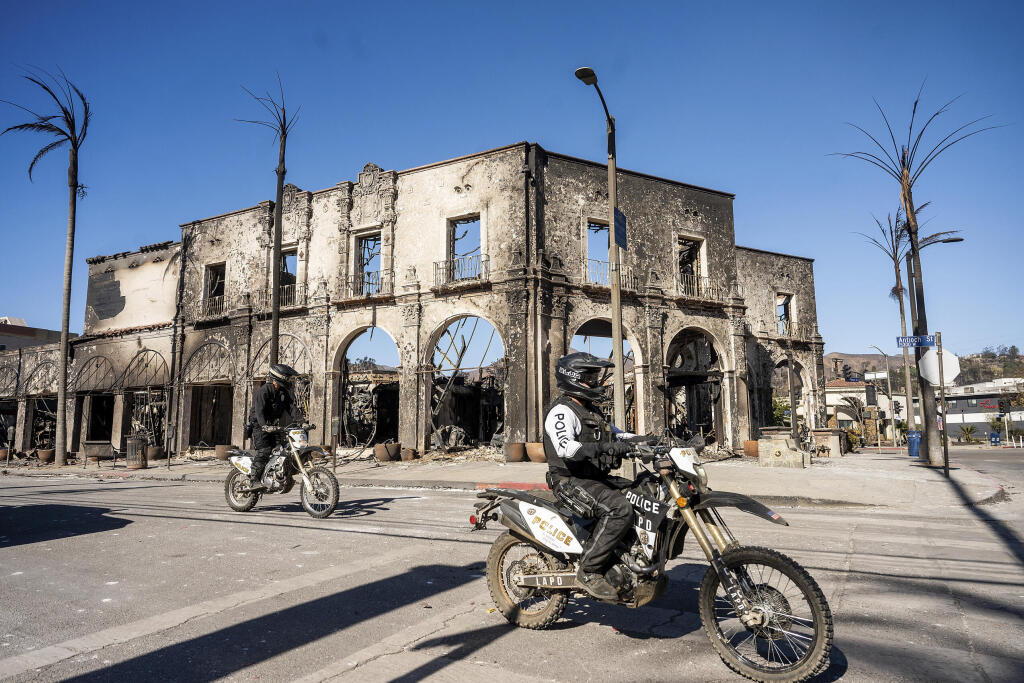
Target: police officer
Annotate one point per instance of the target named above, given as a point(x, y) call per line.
point(582, 448)
point(270, 403)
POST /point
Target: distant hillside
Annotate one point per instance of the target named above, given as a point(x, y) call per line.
point(989, 364)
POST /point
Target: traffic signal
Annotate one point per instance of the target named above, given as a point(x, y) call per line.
point(897, 408)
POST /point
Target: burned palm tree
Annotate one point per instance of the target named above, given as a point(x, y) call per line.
point(905, 164)
point(68, 128)
point(282, 125)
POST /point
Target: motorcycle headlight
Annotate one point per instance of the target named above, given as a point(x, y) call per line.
point(702, 475)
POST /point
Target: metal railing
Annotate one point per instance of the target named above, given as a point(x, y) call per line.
point(462, 269)
point(210, 307)
point(598, 273)
point(370, 283)
point(291, 295)
point(792, 330)
point(697, 287)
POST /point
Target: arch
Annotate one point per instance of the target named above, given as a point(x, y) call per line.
point(779, 386)
point(467, 395)
point(693, 385)
point(693, 330)
point(627, 335)
point(95, 375)
point(8, 380)
point(146, 369)
point(291, 351)
point(633, 358)
point(42, 380)
point(364, 399)
point(209, 363)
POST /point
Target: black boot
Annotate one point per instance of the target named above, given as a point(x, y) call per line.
point(597, 585)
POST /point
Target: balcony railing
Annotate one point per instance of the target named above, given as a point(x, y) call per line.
point(696, 287)
point(291, 295)
point(211, 307)
point(792, 329)
point(462, 269)
point(370, 283)
point(598, 273)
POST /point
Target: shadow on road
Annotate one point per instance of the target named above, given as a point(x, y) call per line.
point(346, 508)
point(229, 649)
point(24, 524)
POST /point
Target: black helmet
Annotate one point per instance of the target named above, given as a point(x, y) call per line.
point(579, 375)
point(283, 374)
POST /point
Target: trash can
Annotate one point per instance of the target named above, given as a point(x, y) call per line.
point(135, 459)
point(994, 438)
point(913, 442)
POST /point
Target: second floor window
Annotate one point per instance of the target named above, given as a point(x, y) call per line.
point(784, 312)
point(690, 266)
point(289, 267)
point(215, 281)
point(368, 275)
point(464, 238)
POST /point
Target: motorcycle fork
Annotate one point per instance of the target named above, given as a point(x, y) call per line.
point(709, 535)
point(302, 471)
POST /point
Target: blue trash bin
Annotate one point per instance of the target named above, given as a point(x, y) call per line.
point(913, 442)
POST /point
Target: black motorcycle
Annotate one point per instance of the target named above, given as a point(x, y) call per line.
point(766, 617)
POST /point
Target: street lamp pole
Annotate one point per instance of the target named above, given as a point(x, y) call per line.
point(587, 75)
point(888, 379)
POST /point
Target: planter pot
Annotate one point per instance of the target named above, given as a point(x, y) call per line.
point(155, 453)
point(409, 454)
point(535, 452)
point(515, 452)
point(381, 453)
point(3, 453)
point(45, 454)
point(750, 449)
point(221, 452)
point(394, 450)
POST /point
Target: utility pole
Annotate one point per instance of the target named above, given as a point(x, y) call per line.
point(888, 379)
point(942, 401)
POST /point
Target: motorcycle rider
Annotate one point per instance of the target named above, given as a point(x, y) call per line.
point(271, 402)
point(582, 448)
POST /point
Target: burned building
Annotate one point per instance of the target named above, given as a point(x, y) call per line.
point(480, 271)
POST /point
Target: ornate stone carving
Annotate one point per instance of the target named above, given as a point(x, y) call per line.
point(373, 197)
point(559, 305)
point(411, 315)
point(653, 317)
point(517, 301)
point(317, 325)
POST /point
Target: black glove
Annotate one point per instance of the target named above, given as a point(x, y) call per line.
point(270, 429)
point(616, 448)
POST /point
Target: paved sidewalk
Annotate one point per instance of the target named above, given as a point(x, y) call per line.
point(863, 478)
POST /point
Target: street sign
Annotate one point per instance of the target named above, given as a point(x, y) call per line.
point(919, 340)
point(869, 376)
point(929, 366)
point(620, 228)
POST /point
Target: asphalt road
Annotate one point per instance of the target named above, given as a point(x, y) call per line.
point(138, 580)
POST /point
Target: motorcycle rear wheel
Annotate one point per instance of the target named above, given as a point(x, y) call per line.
point(238, 500)
point(323, 499)
point(796, 639)
point(526, 607)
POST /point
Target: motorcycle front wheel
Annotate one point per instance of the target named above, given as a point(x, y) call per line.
point(524, 606)
point(321, 501)
point(795, 638)
point(238, 499)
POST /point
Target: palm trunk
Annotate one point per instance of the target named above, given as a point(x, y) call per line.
point(928, 407)
point(69, 256)
point(911, 423)
point(275, 261)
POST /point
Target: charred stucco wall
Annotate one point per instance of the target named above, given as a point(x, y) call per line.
point(762, 275)
point(131, 289)
point(533, 208)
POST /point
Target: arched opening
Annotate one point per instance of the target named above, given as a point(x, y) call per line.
point(92, 385)
point(8, 404)
point(467, 398)
point(693, 387)
point(41, 395)
point(366, 389)
point(595, 338)
point(144, 387)
point(207, 383)
point(290, 351)
point(787, 391)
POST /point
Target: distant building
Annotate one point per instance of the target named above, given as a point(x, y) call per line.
point(15, 334)
point(975, 404)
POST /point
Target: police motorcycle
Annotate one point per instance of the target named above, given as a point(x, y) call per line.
point(764, 614)
point(293, 459)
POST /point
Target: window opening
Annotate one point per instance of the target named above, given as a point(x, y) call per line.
point(464, 260)
point(784, 313)
point(369, 272)
point(216, 278)
point(689, 266)
point(289, 269)
point(101, 418)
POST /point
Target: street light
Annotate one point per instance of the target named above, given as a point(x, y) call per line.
point(888, 379)
point(587, 75)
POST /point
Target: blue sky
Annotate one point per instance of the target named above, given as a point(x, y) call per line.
point(749, 98)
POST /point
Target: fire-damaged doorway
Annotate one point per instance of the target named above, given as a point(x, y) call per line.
point(208, 395)
point(366, 405)
point(468, 380)
point(693, 387)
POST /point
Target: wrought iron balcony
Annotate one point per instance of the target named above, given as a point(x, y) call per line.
point(697, 287)
point(291, 296)
point(793, 330)
point(205, 308)
point(598, 273)
point(462, 269)
point(370, 284)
